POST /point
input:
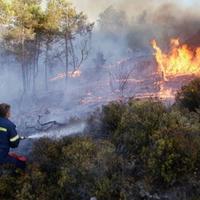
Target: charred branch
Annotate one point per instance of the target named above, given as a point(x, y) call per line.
point(45, 126)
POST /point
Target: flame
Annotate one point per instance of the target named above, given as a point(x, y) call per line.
point(181, 59)
point(72, 74)
point(165, 93)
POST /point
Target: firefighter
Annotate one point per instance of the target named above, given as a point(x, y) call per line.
point(9, 139)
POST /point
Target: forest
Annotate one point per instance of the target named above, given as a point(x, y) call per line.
point(32, 33)
point(141, 136)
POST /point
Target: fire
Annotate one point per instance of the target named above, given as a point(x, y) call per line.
point(71, 74)
point(181, 59)
point(166, 93)
point(74, 74)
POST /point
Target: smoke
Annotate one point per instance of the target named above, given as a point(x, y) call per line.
point(10, 80)
point(162, 23)
point(127, 28)
point(174, 20)
point(132, 7)
point(160, 20)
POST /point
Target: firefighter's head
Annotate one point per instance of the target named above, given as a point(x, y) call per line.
point(5, 110)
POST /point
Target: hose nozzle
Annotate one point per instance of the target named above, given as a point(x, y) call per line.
point(23, 138)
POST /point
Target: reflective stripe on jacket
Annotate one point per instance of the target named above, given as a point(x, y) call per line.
point(8, 136)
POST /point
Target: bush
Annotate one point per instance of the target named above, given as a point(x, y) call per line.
point(189, 95)
point(111, 117)
point(141, 146)
point(138, 122)
point(174, 157)
point(103, 123)
point(73, 166)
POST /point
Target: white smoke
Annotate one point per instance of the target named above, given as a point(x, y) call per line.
point(93, 86)
point(132, 7)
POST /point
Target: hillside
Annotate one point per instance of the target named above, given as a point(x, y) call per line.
point(136, 150)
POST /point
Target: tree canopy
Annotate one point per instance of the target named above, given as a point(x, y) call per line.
point(29, 31)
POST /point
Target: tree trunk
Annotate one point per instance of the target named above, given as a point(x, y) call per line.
point(28, 75)
point(38, 57)
point(46, 65)
point(66, 58)
point(35, 62)
point(24, 78)
point(34, 65)
point(73, 55)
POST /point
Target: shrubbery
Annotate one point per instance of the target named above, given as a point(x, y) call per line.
point(139, 142)
point(189, 95)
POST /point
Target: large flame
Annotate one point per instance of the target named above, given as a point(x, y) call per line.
point(181, 59)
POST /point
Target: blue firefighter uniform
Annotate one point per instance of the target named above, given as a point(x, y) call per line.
point(9, 139)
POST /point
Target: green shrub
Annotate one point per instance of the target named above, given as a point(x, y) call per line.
point(189, 95)
point(103, 123)
point(138, 123)
point(8, 187)
point(145, 144)
point(111, 117)
point(174, 157)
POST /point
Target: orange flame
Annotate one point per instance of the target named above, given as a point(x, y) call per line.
point(181, 59)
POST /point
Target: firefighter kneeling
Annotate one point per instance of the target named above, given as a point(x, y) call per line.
point(9, 139)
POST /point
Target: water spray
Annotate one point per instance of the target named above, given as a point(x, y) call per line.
point(55, 134)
